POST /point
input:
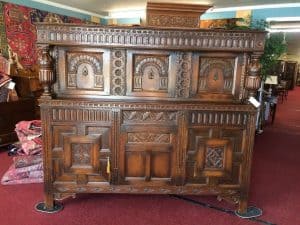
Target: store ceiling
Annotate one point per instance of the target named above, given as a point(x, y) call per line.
point(104, 6)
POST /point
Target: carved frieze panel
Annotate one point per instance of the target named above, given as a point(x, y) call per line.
point(216, 75)
point(218, 118)
point(184, 72)
point(172, 20)
point(149, 117)
point(85, 70)
point(144, 137)
point(118, 72)
point(151, 38)
point(151, 73)
point(79, 114)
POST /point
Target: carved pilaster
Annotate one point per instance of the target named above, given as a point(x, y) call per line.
point(46, 73)
point(252, 81)
point(183, 80)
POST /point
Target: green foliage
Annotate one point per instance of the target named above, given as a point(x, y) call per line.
point(258, 24)
point(274, 45)
point(274, 48)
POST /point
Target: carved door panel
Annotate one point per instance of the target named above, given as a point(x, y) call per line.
point(82, 71)
point(215, 153)
point(147, 154)
point(150, 73)
point(218, 76)
point(81, 151)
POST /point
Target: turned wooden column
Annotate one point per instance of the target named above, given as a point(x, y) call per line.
point(253, 79)
point(46, 73)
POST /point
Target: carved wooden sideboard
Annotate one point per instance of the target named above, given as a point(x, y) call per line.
point(148, 110)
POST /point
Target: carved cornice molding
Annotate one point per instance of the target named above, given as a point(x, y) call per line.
point(45, 103)
point(151, 38)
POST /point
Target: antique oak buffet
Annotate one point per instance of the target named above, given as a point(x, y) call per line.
point(147, 110)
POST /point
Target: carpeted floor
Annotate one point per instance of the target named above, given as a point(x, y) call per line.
point(274, 188)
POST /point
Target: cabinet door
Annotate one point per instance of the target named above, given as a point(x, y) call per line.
point(81, 146)
point(147, 154)
point(215, 150)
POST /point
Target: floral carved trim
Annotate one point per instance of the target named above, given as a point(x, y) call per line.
point(148, 138)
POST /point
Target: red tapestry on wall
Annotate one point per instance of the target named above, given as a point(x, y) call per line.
point(20, 33)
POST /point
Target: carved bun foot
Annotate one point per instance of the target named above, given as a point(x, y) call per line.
point(41, 207)
point(251, 212)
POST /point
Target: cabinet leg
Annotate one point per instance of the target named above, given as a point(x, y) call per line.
point(247, 212)
point(49, 205)
point(243, 204)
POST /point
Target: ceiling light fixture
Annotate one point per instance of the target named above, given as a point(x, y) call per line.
point(296, 30)
point(267, 6)
point(282, 19)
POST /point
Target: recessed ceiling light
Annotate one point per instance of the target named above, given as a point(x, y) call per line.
point(296, 30)
point(267, 6)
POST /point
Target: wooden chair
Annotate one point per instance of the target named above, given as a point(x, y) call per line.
point(282, 90)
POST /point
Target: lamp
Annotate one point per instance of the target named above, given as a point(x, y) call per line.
point(271, 80)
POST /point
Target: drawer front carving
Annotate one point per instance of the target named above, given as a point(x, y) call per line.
point(136, 117)
point(213, 118)
point(67, 114)
point(148, 138)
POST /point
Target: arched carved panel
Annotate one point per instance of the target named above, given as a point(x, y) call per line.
point(150, 73)
point(216, 75)
point(85, 70)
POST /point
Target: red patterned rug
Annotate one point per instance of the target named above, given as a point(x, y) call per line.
point(20, 33)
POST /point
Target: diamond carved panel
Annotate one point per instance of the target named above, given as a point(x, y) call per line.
point(215, 158)
point(81, 154)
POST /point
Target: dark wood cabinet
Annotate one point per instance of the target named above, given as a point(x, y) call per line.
point(10, 114)
point(290, 74)
point(148, 110)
